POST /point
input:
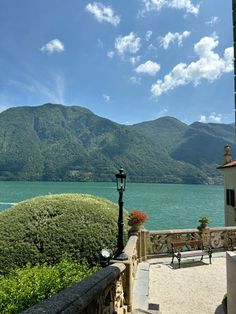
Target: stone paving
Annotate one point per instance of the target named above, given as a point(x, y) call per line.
point(195, 288)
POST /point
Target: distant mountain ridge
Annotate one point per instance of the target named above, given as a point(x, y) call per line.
point(56, 142)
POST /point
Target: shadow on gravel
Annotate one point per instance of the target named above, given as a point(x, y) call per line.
point(219, 310)
point(187, 264)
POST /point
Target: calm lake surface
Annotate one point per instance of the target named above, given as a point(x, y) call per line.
point(167, 205)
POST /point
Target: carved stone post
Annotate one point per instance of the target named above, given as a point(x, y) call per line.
point(139, 245)
point(128, 288)
point(143, 242)
point(206, 239)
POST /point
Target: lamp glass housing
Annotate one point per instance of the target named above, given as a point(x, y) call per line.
point(121, 180)
point(105, 253)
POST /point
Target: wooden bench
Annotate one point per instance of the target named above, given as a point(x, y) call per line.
point(199, 250)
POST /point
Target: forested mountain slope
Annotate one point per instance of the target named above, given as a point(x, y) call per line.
point(55, 142)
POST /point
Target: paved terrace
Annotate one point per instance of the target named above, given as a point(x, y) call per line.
point(195, 288)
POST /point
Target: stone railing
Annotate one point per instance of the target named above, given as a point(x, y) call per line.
point(110, 290)
point(159, 242)
point(107, 291)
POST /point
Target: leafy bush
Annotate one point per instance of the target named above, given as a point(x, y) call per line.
point(42, 229)
point(25, 287)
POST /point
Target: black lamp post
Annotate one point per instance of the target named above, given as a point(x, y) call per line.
point(121, 182)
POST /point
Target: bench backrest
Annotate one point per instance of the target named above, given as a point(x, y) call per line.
point(177, 244)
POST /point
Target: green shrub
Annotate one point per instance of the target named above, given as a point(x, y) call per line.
point(42, 229)
point(25, 287)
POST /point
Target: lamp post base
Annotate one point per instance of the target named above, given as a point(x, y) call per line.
point(121, 257)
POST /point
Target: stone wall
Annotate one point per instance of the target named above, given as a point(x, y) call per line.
point(231, 281)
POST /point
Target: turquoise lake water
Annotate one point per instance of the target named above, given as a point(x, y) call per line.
point(167, 205)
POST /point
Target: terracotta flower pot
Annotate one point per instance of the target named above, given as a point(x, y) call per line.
point(135, 227)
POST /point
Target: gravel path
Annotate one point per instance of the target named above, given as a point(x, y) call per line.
point(195, 288)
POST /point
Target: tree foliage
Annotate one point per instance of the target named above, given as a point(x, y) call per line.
point(44, 228)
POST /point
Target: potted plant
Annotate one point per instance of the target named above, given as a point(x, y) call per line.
point(203, 223)
point(136, 220)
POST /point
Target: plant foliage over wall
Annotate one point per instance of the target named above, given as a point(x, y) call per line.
point(25, 287)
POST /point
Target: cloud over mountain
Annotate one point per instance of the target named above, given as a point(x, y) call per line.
point(209, 66)
point(213, 117)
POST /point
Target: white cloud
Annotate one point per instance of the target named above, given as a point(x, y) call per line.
point(209, 66)
point(152, 47)
point(163, 112)
point(130, 43)
point(148, 67)
point(202, 119)
point(110, 54)
point(171, 37)
point(213, 117)
point(107, 98)
point(53, 46)
point(50, 90)
point(157, 5)
point(148, 35)
point(100, 43)
point(134, 60)
point(135, 80)
point(103, 13)
point(214, 20)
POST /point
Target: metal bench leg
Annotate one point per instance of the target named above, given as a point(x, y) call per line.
point(210, 254)
point(179, 258)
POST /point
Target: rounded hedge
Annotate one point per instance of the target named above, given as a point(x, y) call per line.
point(44, 228)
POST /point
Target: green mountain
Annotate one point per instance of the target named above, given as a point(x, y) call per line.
point(165, 132)
point(199, 144)
point(55, 142)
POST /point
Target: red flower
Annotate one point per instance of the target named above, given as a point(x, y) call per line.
point(137, 217)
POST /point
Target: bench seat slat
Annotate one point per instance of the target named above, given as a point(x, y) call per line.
point(193, 253)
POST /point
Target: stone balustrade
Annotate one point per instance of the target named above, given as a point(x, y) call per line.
point(159, 242)
point(110, 289)
point(107, 291)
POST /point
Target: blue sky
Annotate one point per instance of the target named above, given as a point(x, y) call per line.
point(128, 61)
